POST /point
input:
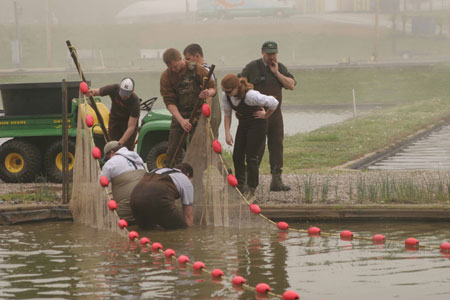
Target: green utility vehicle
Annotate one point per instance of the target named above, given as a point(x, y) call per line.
point(32, 119)
point(154, 134)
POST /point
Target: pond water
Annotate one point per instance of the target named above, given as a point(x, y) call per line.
point(68, 260)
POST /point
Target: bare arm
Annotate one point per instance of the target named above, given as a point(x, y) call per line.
point(132, 123)
point(263, 114)
point(188, 212)
point(184, 123)
point(227, 124)
point(93, 92)
point(287, 82)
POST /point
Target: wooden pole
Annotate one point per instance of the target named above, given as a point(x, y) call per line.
point(65, 144)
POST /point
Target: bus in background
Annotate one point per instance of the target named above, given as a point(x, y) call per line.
point(228, 9)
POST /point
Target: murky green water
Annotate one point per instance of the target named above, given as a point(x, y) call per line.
point(68, 261)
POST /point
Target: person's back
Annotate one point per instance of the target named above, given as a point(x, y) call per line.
point(124, 169)
point(153, 199)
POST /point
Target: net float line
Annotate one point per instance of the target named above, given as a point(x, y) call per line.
point(409, 242)
point(216, 274)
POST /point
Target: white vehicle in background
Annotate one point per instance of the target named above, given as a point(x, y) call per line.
point(227, 9)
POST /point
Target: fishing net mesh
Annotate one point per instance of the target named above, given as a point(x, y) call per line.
point(216, 202)
point(89, 202)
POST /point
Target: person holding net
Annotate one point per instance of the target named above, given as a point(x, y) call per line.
point(249, 105)
point(181, 85)
point(153, 198)
point(125, 111)
point(194, 53)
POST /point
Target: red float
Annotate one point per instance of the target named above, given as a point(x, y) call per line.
point(169, 253)
point(89, 120)
point(112, 205)
point(96, 153)
point(198, 265)
point(262, 288)
point(254, 208)
point(123, 223)
point(217, 273)
point(283, 225)
point(183, 259)
point(378, 239)
point(217, 147)
point(133, 235)
point(232, 180)
point(84, 88)
point(144, 241)
point(156, 247)
point(206, 111)
point(314, 231)
point(238, 280)
point(346, 235)
point(445, 247)
point(290, 295)
point(411, 242)
point(104, 182)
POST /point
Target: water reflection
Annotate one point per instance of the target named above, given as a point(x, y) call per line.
point(66, 261)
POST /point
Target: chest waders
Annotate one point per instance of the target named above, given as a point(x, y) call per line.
point(268, 84)
point(250, 138)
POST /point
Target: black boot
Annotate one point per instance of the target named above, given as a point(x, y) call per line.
point(243, 188)
point(251, 195)
point(277, 185)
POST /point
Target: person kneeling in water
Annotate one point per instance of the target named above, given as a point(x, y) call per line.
point(153, 198)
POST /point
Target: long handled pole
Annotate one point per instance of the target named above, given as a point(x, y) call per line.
point(194, 111)
point(93, 104)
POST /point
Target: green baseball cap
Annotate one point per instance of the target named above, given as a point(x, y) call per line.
point(270, 47)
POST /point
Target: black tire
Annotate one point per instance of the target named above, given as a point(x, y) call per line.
point(53, 161)
point(20, 161)
point(156, 157)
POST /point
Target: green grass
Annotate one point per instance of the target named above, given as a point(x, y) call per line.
point(334, 145)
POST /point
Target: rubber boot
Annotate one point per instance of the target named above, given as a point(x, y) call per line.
point(251, 195)
point(243, 188)
point(277, 185)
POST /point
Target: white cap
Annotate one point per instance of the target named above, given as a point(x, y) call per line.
point(126, 87)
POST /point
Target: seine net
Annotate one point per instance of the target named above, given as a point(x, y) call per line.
point(89, 203)
point(216, 202)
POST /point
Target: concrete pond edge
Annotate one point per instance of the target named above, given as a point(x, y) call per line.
point(17, 214)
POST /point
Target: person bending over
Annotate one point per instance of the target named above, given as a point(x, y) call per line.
point(153, 198)
point(239, 95)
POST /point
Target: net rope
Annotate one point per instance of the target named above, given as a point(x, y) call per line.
point(89, 198)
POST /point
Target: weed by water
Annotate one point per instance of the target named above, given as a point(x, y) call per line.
point(309, 189)
point(324, 190)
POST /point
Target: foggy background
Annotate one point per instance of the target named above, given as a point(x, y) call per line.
point(118, 38)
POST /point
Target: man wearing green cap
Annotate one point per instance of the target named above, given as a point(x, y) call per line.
point(269, 77)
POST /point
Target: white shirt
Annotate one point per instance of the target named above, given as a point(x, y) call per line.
point(183, 185)
point(252, 98)
point(122, 161)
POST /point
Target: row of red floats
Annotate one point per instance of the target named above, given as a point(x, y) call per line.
point(237, 281)
point(261, 288)
point(198, 266)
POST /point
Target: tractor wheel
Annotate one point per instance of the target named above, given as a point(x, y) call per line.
point(156, 157)
point(53, 161)
point(20, 161)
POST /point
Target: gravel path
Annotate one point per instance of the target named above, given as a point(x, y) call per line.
point(337, 187)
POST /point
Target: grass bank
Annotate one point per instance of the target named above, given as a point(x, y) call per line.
point(335, 145)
